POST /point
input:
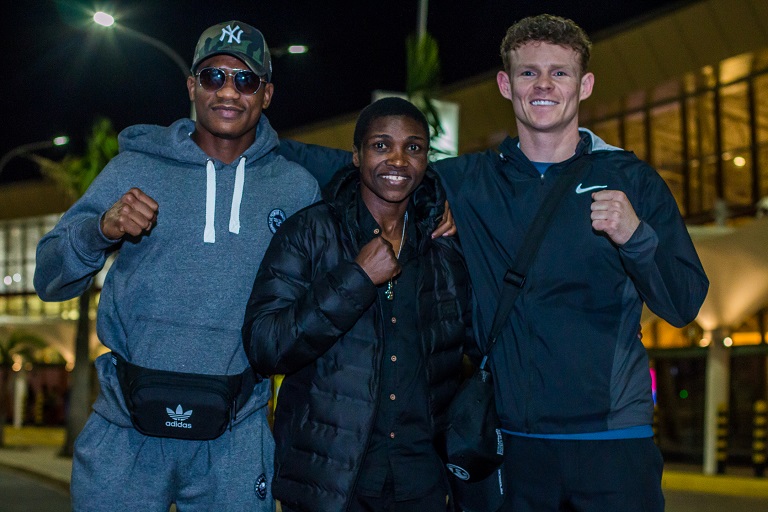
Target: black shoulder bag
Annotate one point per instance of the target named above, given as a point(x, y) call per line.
point(473, 439)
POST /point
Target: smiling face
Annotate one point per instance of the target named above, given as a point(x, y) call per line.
point(545, 84)
point(392, 159)
point(227, 113)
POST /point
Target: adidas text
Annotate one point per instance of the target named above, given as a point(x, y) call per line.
point(178, 424)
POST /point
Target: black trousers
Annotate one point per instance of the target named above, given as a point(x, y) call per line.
point(546, 475)
point(435, 501)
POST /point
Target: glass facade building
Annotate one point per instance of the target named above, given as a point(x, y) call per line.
point(706, 133)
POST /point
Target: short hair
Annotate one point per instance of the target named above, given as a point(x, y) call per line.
point(385, 107)
point(546, 28)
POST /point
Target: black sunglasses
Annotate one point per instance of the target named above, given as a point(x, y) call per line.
point(213, 79)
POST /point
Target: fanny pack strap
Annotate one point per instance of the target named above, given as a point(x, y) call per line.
point(241, 385)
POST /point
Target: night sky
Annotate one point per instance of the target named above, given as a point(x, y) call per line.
point(61, 71)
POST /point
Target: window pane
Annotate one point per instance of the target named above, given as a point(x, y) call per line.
point(634, 134)
point(609, 131)
point(761, 109)
point(667, 151)
point(700, 124)
point(737, 168)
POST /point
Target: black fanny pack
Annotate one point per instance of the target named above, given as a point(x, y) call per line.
point(182, 405)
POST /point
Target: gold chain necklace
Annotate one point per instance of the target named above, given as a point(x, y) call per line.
point(390, 292)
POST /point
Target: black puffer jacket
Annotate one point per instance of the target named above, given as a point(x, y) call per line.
point(314, 316)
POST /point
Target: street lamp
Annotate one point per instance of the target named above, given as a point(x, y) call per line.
point(294, 49)
point(25, 149)
point(107, 20)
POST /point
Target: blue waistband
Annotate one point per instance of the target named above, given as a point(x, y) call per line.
point(637, 432)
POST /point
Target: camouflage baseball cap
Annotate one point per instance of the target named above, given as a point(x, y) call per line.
point(239, 40)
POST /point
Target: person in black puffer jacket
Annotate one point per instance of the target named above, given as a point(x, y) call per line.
point(368, 318)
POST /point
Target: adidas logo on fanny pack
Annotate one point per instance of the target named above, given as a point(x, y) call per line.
point(178, 416)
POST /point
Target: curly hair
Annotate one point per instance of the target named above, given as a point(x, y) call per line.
point(548, 29)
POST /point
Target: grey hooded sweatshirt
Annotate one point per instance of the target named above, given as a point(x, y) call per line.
point(174, 299)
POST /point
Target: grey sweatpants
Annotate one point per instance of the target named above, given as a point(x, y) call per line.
point(117, 468)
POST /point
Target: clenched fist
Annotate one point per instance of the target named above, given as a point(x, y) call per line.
point(613, 214)
point(133, 214)
point(378, 260)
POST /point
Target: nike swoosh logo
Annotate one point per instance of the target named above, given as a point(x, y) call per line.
point(581, 190)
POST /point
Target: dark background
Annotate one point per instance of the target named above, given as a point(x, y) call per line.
point(61, 70)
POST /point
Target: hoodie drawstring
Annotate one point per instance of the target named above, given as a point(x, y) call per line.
point(237, 196)
point(209, 235)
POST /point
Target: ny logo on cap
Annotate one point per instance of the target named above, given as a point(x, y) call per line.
point(233, 33)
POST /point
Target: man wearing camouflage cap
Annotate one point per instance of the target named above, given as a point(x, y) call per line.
point(188, 210)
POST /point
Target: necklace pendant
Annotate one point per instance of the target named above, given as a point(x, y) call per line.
point(390, 292)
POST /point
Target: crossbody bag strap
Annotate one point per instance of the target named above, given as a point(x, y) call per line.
point(514, 279)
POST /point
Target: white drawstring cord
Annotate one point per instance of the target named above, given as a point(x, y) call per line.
point(209, 235)
point(237, 197)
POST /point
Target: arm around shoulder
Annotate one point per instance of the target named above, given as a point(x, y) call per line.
point(322, 162)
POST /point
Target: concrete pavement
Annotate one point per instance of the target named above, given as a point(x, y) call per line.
point(36, 450)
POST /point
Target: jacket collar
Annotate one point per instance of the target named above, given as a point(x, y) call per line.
point(425, 210)
point(510, 148)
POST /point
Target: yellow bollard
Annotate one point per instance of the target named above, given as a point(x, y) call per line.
point(722, 438)
point(758, 437)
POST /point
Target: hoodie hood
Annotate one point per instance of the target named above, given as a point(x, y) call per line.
point(175, 143)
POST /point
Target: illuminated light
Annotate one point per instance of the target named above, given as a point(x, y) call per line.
point(704, 342)
point(104, 19)
point(17, 278)
point(16, 367)
point(69, 366)
point(727, 341)
point(739, 161)
point(683, 393)
point(297, 49)
point(61, 140)
point(7, 280)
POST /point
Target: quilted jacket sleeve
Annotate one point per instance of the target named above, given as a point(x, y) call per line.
point(304, 298)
